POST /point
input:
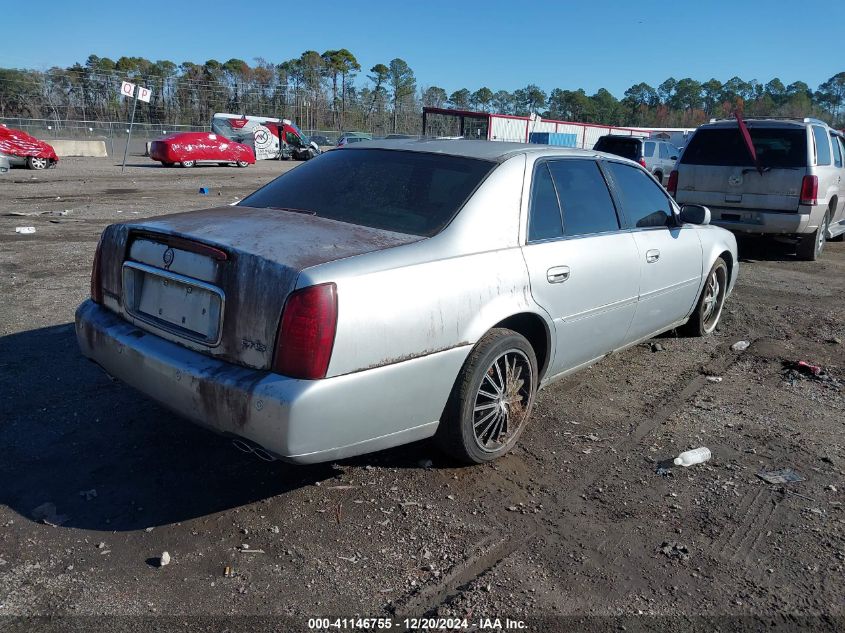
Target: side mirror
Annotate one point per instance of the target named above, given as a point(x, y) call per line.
point(673, 158)
point(695, 214)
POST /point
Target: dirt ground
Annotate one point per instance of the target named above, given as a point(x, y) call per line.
point(574, 530)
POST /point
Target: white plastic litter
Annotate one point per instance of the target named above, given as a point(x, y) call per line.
point(25, 230)
point(740, 346)
point(695, 456)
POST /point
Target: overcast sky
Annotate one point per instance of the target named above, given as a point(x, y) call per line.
point(501, 45)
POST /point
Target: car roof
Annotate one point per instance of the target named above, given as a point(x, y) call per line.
point(498, 151)
point(626, 137)
point(763, 122)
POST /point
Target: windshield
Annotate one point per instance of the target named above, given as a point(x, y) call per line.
point(298, 131)
point(404, 192)
point(775, 147)
point(619, 146)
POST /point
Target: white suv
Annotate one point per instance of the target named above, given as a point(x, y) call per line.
point(795, 189)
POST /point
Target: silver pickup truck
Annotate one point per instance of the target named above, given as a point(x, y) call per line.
point(397, 290)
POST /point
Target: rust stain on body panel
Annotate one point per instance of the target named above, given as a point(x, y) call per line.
point(265, 251)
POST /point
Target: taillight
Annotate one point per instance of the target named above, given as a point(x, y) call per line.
point(810, 190)
point(96, 276)
point(306, 333)
point(642, 162)
point(672, 187)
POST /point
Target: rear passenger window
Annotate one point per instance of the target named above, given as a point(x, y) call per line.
point(822, 146)
point(544, 215)
point(642, 200)
point(649, 149)
point(584, 198)
point(837, 151)
point(664, 151)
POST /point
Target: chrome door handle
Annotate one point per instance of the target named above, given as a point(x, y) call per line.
point(652, 256)
point(557, 274)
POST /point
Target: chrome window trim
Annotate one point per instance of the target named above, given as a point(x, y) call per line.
point(550, 159)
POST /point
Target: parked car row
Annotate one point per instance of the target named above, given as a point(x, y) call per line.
point(357, 137)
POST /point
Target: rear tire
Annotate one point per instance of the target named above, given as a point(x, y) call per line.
point(242, 163)
point(708, 310)
point(188, 163)
point(811, 246)
point(492, 398)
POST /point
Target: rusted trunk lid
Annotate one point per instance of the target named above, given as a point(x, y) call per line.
point(263, 252)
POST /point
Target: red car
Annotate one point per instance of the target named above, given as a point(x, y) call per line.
point(190, 148)
point(25, 150)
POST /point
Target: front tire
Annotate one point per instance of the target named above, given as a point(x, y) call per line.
point(243, 163)
point(188, 163)
point(708, 310)
point(811, 246)
point(491, 400)
point(38, 163)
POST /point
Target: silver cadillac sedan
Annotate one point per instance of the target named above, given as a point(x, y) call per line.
point(392, 291)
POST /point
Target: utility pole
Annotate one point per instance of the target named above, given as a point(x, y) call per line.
point(129, 137)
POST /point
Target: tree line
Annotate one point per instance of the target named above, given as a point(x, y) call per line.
point(330, 90)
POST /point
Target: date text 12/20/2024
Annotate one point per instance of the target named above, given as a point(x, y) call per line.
point(414, 624)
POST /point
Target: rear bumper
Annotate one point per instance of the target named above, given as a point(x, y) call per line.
point(762, 222)
point(303, 421)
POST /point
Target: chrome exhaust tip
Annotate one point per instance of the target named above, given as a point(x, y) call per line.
point(246, 446)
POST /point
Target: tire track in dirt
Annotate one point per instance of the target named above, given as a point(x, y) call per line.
point(604, 549)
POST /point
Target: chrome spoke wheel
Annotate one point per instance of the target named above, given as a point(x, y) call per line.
point(38, 163)
point(714, 298)
point(822, 237)
point(711, 295)
point(502, 400)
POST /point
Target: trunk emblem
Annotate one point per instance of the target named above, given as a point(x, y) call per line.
point(168, 257)
point(735, 179)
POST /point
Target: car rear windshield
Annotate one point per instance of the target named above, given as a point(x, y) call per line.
point(775, 147)
point(405, 192)
point(619, 146)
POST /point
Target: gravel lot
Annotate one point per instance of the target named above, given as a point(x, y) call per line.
point(575, 526)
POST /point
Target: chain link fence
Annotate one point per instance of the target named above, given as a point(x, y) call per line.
point(116, 133)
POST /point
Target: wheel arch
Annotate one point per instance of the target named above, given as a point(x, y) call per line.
point(535, 329)
point(729, 262)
